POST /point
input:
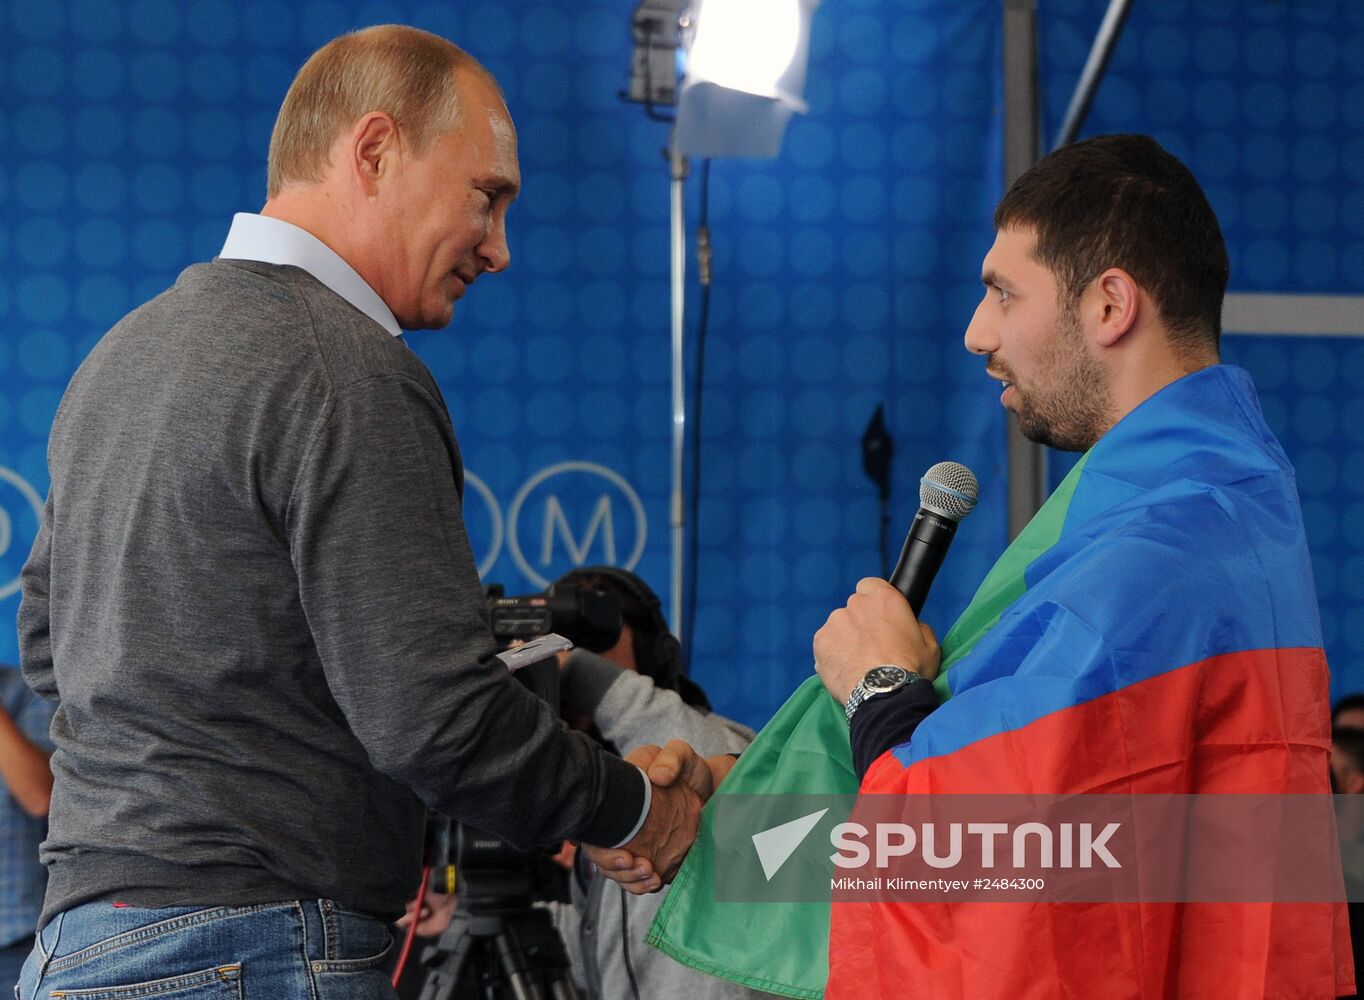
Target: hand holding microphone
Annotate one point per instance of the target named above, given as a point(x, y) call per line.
point(879, 623)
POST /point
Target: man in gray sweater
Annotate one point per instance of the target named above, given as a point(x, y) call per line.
point(252, 596)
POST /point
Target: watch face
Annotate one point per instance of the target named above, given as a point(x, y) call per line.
point(884, 678)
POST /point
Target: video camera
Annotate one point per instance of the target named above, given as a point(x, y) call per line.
point(495, 873)
point(495, 919)
point(590, 618)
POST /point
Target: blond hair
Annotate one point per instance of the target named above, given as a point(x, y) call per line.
point(404, 72)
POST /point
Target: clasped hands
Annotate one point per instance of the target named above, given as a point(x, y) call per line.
point(682, 782)
point(876, 626)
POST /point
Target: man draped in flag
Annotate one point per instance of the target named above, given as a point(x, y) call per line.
point(1167, 641)
point(1154, 630)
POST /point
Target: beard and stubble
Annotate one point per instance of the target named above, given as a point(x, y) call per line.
point(1068, 406)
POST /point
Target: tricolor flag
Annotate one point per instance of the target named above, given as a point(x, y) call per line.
point(1153, 630)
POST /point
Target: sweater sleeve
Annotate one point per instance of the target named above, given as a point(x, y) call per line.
point(630, 710)
point(392, 597)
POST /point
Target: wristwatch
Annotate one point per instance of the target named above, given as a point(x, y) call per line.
point(878, 681)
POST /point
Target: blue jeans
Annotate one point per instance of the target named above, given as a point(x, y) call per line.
point(301, 950)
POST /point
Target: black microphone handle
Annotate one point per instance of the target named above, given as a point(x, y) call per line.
point(922, 555)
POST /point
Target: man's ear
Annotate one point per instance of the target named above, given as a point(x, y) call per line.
point(1111, 304)
point(373, 150)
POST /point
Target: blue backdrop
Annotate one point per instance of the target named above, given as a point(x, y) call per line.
point(845, 271)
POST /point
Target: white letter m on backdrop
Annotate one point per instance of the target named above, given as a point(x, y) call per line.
point(557, 524)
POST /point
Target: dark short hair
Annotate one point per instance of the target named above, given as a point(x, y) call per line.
point(640, 607)
point(1346, 703)
point(1123, 201)
point(1350, 742)
point(658, 654)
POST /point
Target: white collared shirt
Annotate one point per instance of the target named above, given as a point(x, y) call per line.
point(274, 241)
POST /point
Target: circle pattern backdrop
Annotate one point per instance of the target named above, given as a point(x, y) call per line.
point(845, 271)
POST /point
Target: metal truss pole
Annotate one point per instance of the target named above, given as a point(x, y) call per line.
point(677, 505)
point(1022, 129)
point(1099, 53)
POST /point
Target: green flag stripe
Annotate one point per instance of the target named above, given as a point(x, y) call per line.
point(816, 914)
point(1006, 582)
point(804, 749)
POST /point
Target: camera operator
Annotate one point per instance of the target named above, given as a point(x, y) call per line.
point(630, 694)
point(635, 693)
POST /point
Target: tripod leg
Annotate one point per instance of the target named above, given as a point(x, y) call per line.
point(447, 959)
point(563, 989)
point(533, 958)
point(510, 955)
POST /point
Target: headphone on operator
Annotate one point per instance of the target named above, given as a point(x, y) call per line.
point(658, 654)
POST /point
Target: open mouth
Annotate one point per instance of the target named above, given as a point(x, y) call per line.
point(1004, 385)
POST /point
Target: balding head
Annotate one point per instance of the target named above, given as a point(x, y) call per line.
point(403, 72)
point(396, 150)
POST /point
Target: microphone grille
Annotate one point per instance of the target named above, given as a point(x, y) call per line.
point(950, 489)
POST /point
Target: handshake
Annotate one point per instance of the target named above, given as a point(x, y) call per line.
point(682, 782)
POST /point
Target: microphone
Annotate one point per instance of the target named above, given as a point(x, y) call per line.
point(947, 493)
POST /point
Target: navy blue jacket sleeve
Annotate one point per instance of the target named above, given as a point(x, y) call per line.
point(888, 720)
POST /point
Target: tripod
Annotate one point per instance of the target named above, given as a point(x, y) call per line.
point(498, 947)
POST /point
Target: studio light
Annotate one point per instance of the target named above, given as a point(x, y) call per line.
point(747, 45)
point(745, 76)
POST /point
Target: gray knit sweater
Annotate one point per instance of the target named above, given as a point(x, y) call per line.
point(253, 598)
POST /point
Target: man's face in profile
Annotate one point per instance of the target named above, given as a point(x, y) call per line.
point(1037, 348)
point(448, 212)
point(1346, 779)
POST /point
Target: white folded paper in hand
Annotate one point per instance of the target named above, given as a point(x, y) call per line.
point(534, 651)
